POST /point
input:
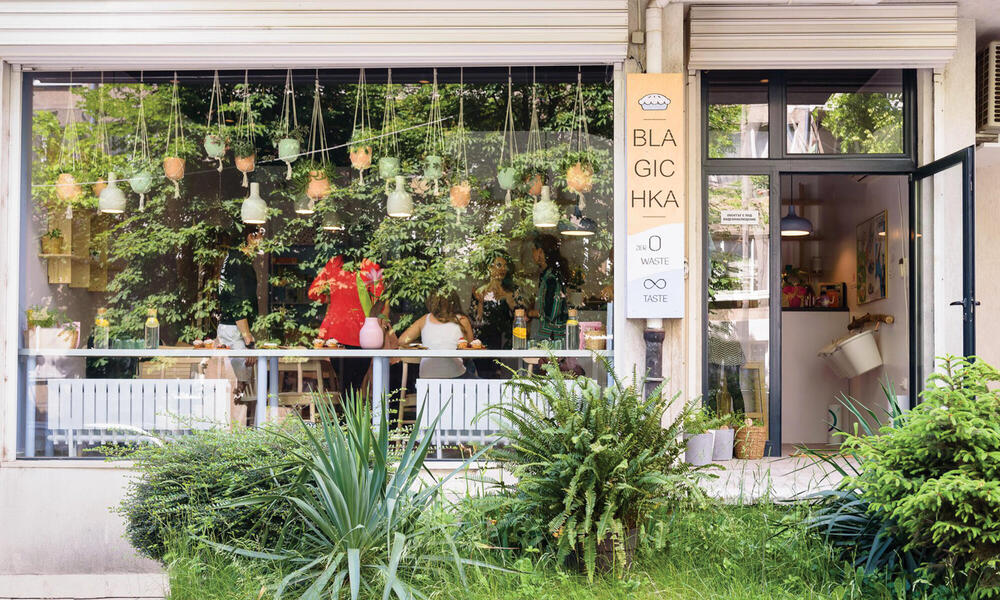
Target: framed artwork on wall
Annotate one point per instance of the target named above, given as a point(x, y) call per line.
point(873, 258)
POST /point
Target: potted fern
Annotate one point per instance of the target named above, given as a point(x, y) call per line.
point(699, 441)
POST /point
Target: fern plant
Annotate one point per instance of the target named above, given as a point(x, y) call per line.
point(592, 465)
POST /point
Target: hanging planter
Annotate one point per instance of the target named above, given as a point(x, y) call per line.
point(580, 176)
point(142, 173)
point(289, 138)
point(461, 196)
point(244, 148)
point(535, 184)
point(460, 192)
point(103, 162)
point(388, 162)
point(579, 162)
point(360, 148)
point(215, 141)
point(506, 172)
point(173, 162)
point(318, 186)
point(534, 161)
point(68, 188)
point(317, 172)
point(434, 139)
point(99, 186)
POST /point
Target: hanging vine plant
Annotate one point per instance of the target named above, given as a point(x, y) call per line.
point(506, 171)
point(244, 147)
point(433, 142)
point(360, 147)
point(289, 137)
point(317, 171)
point(141, 180)
point(102, 163)
point(173, 161)
point(388, 141)
point(215, 141)
point(579, 162)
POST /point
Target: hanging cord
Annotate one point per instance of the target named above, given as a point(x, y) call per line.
point(216, 102)
point(140, 144)
point(289, 120)
point(508, 134)
point(245, 126)
point(317, 129)
point(463, 156)
point(175, 131)
point(103, 138)
point(534, 148)
point(434, 137)
point(69, 147)
point(389, 147)
point(581, 131)
point(361, 130)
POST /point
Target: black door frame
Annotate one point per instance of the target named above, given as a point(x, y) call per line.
point(966, 158)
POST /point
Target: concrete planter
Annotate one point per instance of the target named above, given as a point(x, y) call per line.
point(699, 448)
point(723, 446)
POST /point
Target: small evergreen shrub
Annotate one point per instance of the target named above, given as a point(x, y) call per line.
point(180, 482)
point(935, 477)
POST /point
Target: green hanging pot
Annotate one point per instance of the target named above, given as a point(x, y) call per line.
point(141, 183)
point(288, 151)
point(215, 146)
point(433, 166)
point(388, 167)
point(507, 178)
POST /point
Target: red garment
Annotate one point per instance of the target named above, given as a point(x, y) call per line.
point(344, 316)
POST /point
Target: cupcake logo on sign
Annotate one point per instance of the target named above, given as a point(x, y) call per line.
point(656, 195)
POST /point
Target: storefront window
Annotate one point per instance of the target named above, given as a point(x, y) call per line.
point(738, 295)
point(737, 115)
point(845, 112)
point(423, 196)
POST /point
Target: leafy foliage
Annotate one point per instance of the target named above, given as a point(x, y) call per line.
point(592, 465)
point(367, 521)
point(182, 479)
point(865, 123)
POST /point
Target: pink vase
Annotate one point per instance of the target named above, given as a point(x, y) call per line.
point(371, 334)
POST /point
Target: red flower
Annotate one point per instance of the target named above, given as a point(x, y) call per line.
point(371, 274)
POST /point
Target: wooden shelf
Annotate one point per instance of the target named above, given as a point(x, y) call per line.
point(803, 238)
point(814, 309)
point(40, 255)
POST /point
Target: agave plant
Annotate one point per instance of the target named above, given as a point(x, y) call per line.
point(364, 514)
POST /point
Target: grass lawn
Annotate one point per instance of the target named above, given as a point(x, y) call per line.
point(725, 552)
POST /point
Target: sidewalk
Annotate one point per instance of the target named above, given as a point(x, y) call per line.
point(108, 586)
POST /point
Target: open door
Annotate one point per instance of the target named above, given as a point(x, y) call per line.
point(942, 286)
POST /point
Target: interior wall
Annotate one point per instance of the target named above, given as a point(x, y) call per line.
point(844, 201)
point(988, 253)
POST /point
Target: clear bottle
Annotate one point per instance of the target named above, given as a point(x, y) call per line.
point(152, 330)
point(102, 330)
point(572, 330)
point(520, 330)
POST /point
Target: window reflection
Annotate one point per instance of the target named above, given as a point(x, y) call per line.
point(737, 115)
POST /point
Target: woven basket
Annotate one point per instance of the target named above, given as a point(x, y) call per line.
point(750, 441)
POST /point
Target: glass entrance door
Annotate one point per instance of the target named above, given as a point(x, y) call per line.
point(942, 238)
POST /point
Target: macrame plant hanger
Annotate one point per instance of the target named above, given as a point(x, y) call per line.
point(388, 142)
point(534, 147)
point(434, 138)
point(461, 193)
point(317, 128)
point(506, 174)
point(245, 125)
point(289, 120)
point(103, 137)
point(360, 148)
point(581, 142)
point(175, 133)
point(68, 187)
point(142, 179)
point(215, 108)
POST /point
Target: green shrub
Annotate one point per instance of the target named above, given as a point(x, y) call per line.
point(592, 465)
point(180, 481)
point(370, 525)
point(936, 476)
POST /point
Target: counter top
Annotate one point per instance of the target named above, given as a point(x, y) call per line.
point(306, 353)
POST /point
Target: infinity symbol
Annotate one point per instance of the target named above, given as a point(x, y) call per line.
point(659, 284)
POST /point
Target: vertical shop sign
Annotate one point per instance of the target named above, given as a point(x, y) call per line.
point(656, 195)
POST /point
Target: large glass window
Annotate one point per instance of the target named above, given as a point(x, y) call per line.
point(147, 194)
point(738, 337)
point(737, 115)
point(845, 112)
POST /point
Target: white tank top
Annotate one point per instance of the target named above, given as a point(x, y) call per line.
point(440, 336)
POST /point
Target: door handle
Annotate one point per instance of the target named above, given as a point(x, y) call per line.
point(962, 303)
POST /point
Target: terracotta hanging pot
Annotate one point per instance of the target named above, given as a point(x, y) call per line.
point(461, 195)
point(361, 157)
point(535, 183)
point(67, 189)
point(319, 185)
point(245, 164)
point(173, 168)
point(580, 177)
point(99, 186)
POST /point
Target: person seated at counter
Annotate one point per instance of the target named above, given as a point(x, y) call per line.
point(440, 329)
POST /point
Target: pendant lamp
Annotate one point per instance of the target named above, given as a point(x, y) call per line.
point(305, 205)
point(254, 209)
point(400, 202)
point(792, 225)
point(112, 198)
point(545, 213)
point(578, 225)
point(332, 222)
